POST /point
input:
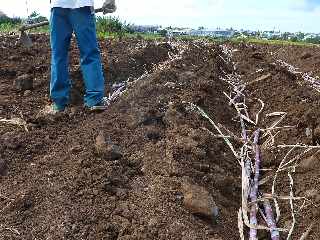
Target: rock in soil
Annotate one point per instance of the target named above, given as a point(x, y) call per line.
point(27, 93)
point(199, 201)
point(106, 149)
point(101, 144)
point(11, 140)
point(23, 82)
point(306, 55)
point(3, 168)
point(309, 163)
point(257, 55)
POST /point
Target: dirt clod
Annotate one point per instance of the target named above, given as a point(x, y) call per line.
point(310, 163)
point(3, 168)
point(199, 201)
point(306, 55)
point(107, 149)
point(257, 55)
point(27, 93)
point(101, 145)
point(23, 82)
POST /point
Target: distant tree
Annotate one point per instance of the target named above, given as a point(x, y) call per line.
point(300, 36)
point(5, 19)
point(315, 40)
point(200, 28)
point(34, 14)
point(130, 29)
point(294, 39)
point(35, 17)
point(286, 35)
point(163, 32)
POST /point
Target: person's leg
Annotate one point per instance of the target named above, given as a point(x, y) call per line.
point(60, 35)
point(83, 23)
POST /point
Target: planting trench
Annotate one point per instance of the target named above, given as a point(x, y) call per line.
point(59, 187)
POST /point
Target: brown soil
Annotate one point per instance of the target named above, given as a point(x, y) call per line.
point(56, 186)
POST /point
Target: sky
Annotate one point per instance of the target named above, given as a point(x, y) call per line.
point(283, 15)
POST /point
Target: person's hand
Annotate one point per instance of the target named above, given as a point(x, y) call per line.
point(109, 6)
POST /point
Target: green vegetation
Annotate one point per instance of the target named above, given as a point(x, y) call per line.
point(35, 17)
point(8, 27)
point(112, 27)
point(9, 24)
point(271, 42)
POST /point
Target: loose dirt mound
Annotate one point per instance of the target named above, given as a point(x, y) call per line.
point(59, 187)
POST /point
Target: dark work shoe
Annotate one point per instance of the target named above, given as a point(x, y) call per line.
point(50, 111)
point(101, 106)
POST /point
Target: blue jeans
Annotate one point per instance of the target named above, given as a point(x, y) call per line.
point(81, 21)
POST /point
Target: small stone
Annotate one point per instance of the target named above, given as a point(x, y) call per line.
point(170, 85)
point(257, 55)
point(187, 76)
point(23, 82)
point(95, 192)
point(49, 173)
point(122, 193)
point(11, 141)
point(311, 193)
point(316, 135)
point(288, 224)
point(153, 222)
point(152, 133)
point(306, 55)
point(186, 143)
point(199, 152)
point(309, 163)
point(73, 111)
point(76, 149)
point(115, 152)
point(27, 93)
point(199, 201)
point(108, 150)
point(172, 116)
point(309, 132)
point(3, 168)
point(101, 144)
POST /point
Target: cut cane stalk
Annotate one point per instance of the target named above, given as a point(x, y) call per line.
point(291, 205)
point(275, 235)
point(254, 190)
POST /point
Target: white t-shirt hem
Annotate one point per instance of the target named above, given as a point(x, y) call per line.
point(71, 3)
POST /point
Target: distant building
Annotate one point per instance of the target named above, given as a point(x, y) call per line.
point(145, 28)
point(180, 31)
point(271, 35)
point(221, 33)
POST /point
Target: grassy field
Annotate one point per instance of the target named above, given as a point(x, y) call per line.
point(273, 42)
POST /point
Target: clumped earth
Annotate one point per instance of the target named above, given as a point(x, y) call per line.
point(150, 167)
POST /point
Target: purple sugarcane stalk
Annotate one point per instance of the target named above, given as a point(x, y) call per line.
point(275, 235)
point(244, 133)
point(254, 188)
